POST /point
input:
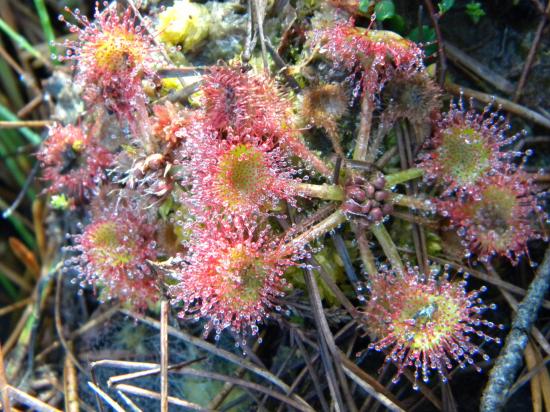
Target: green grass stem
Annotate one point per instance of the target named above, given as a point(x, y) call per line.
point(19, 40)
point(46, 24)
point(19, 226)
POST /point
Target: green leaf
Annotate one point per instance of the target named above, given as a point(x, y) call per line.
point(384, 10)
point(475, 11)
point(364, 6)
point(445, 5)
point(396, 24)
point(424, 34)
point(60, 202)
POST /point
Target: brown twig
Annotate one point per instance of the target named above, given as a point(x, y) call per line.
point(527, 377)
point(135, 390)
point(201, 343)
point(370, 385)
point(259, 9)
point(92, 323)
point(14, 306)
point(70, 385)
point(537, 334)
point(30, 106)
point(164, 310)
point(4, 384)
point(471, 65)
point(4, 124)
point(442, 69)
point(59, 326)
point(312, 372)
point(506, 105)
point(532, 53)
point(363, 135)
point(103, 395)
point(509, 361)
point(30, 401)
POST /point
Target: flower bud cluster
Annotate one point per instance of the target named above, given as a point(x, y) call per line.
point(367, 202)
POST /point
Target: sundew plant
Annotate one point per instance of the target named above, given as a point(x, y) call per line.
point(287, 186)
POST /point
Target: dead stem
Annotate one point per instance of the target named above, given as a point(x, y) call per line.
point(506, 105)
point(164, 312)
point(245, 384)
point(532, 53)
point(531, 362)
point(70, 384)
point(316, 356)
point(389, 248)
point(527, 377)
point(536, 333)
point(92, 323)
point(4, 384)
point(312, 372)
point(135, 390)
point(364, 250)
point(110, 401)
point(143, 369)
point(129, 402)
point(200, 343)
point(509, 361)
point(30, 401)
point(479, 70)
point(14, 306)
point(323, 227)
point(59, 326)
point(328, 349)
point(369, 384)
point(362, 141)
point(4, 124)
point(259, 8)
point(442, 68)
point(30, 107)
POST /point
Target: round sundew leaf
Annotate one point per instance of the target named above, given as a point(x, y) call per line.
point(242, 175)
point(464, 155)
